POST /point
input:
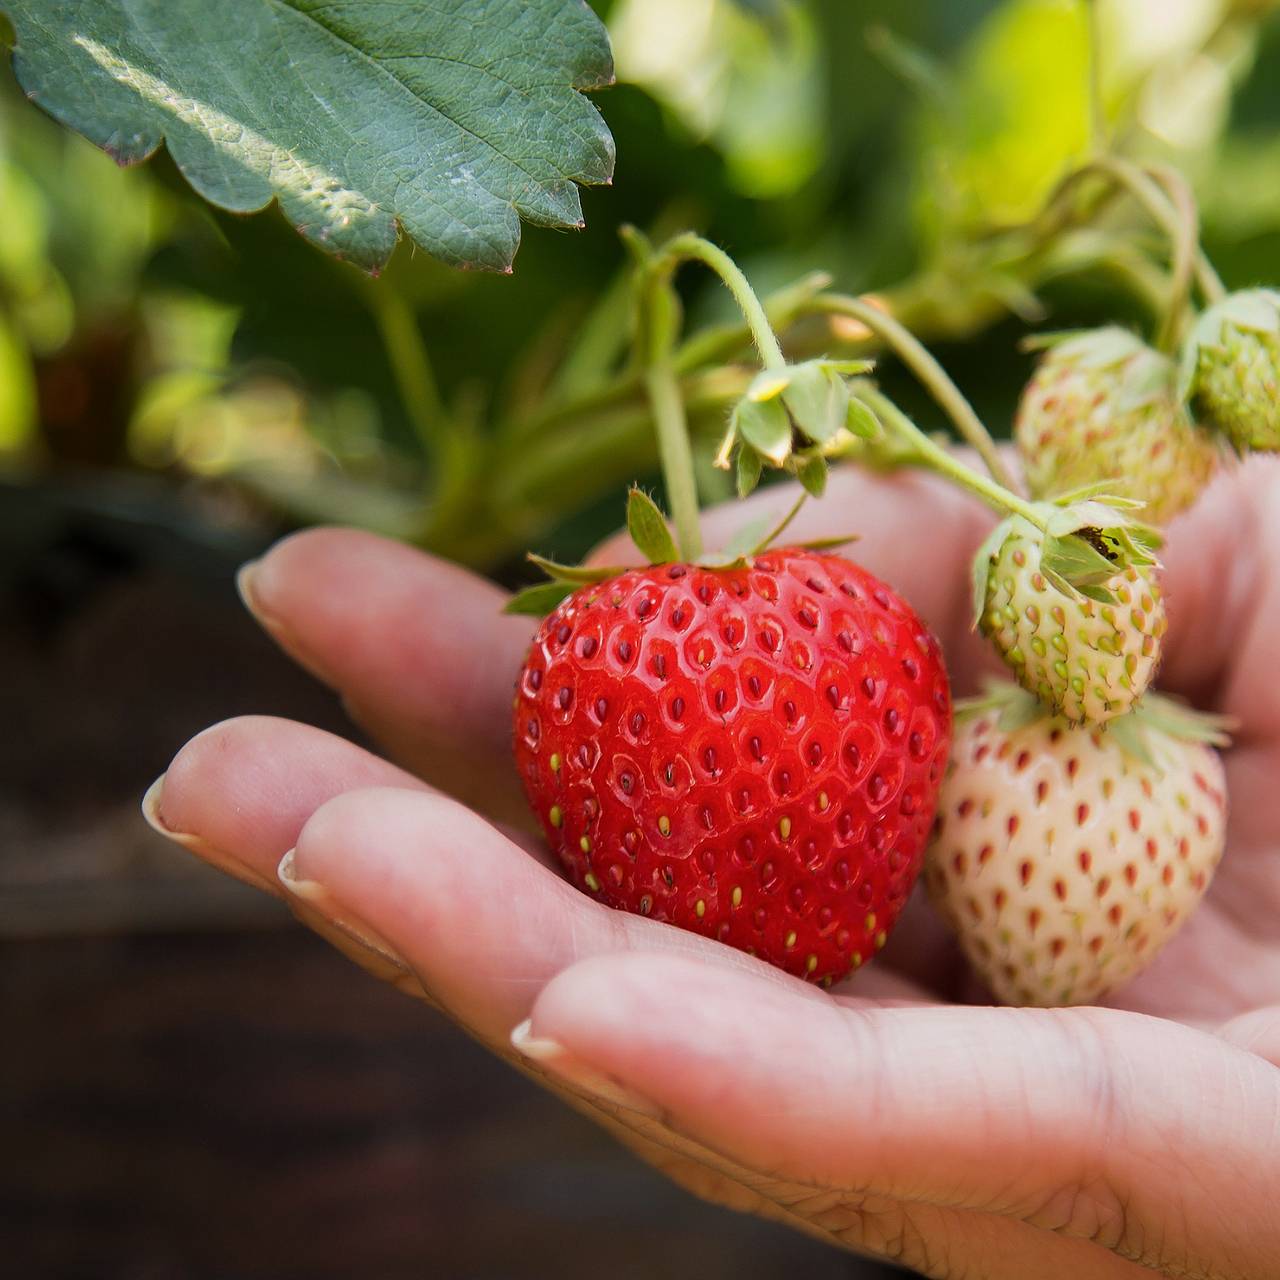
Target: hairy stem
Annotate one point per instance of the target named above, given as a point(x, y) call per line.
point(781, 527)
point(931, 374)
point(695, 249)
point(936, 458)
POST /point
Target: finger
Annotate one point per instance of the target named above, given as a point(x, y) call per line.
point(1223, 596)
point(239, 793)
point(419, 650)
point(915, 531)
point(1153, 1140)
point(1256, 1032)
point(483, 925)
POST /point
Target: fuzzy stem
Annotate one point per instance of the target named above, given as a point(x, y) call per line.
point(694, 248)
point(930, 373)
point(936, 458)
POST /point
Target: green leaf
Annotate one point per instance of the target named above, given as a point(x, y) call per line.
point(579, 573)
point(750, 466)
point(811, 471)
point(860, 418)
point(648, 529)
point(764, 424)
point(818, 401)
point(539, 600)
point(1078, 563)
point(449, 120)
point(829, 544)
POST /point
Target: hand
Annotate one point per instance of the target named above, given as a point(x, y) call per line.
point(958, 1140)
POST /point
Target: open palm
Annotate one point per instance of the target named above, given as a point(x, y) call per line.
point(894, 1115)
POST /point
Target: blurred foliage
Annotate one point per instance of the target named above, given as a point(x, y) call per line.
point(141, 330)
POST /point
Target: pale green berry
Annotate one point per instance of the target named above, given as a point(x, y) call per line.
point(1102, 406)
point(1231, 369)
point(1085, 660)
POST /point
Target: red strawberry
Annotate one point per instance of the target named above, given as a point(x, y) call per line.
point(751, 752)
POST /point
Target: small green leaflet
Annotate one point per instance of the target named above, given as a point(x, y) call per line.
point(982, 562)
point(745, 541)
point(750, 465)
point(818, 400)
point(860, 418)
point(648, 529)
point(451, 121)
point(765, 426)
point(828, 544)
point(811, 471)
point(576, 573)
point(539, 600)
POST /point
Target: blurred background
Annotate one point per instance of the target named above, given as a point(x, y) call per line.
point(193, 1085)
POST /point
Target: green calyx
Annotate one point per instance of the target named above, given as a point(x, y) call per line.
point(1086, 540)
point(1139, 732)
point(792, 418)
point(651, 534)
point(1139, 373)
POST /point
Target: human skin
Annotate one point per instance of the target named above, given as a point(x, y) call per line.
point(897, 1114)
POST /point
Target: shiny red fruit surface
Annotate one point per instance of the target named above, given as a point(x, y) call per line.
point(751, 753)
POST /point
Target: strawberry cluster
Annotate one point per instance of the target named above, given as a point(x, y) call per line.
point(756, 744)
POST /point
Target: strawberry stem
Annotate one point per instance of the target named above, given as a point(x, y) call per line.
point(658, 329)
point(929, 453)
point(1168, 201)
point(692, 248)
point(908, 348)
point(781, 527)
point(658, 323)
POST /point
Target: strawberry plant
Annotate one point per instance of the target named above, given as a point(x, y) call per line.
point(751, 740)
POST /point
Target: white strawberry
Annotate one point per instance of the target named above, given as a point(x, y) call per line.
point(1066, 856)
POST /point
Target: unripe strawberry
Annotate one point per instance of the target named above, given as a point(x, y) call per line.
point(1087, 650)
point(1103, 406)
point(1063, 860)
point(1231, 369)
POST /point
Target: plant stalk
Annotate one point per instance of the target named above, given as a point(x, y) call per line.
point(410, 365)
point(1150, 194)
point(938, 459)
point(931, 374)
point(695, 249)
point(675, 453)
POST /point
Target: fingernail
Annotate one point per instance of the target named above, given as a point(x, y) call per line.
point(249, 588)
point(315, 900)
point(553, 1057)
point(202, 849)
point(245, 576)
